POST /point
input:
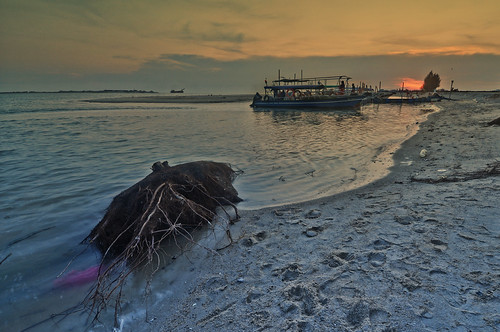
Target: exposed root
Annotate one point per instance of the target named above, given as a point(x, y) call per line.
point(167, 204)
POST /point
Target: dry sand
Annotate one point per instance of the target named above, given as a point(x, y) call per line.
point(415, 251)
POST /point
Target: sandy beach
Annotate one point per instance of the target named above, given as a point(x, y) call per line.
point(415, 251)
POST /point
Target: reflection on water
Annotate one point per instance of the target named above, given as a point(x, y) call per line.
point(299, 155)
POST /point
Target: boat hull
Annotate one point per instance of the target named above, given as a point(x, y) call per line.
point(407, 100)
point(326, 103)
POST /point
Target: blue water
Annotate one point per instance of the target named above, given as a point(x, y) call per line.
point(64, 159)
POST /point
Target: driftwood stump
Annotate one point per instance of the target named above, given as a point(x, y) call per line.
point(168, 202)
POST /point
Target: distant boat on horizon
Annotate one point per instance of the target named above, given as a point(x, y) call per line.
point(177, 91)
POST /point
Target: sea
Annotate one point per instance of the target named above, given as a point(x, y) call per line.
point(63, 159)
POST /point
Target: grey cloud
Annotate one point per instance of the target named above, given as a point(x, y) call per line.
point(218, 32)
point(205, 75)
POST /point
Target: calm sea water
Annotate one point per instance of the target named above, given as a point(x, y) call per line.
point(64, 159)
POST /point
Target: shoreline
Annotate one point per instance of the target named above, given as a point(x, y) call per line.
point(181, 99)
point(416, 250)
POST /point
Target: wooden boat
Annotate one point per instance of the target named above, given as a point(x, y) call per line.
point(408, 97)
point(313, 92)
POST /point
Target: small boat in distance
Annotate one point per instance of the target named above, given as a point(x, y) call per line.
point(408, 97)
point(177, 91)
point(313, 92)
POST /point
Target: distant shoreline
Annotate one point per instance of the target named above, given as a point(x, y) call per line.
point(193, 99)
point(82, 91)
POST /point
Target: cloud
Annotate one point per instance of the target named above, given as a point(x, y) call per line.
point(215, 32)
point(200, 74)
point(171, 62)
point(124, 57)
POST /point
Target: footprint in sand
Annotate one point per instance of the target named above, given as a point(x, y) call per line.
point(404, 220)
point(313, 214)
point(439, 245)
point(260, 235)
point(253, 295)
point(379, 317)
point(313, 231)
point(261, 319)
point(255, 238)
point(376, 259)
point(305, 295)
point(381, 244)
point(289, 272)
point(248, 242)
point(336, 259)
point(358, 313)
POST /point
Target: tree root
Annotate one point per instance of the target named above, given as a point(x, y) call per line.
point(167, 204)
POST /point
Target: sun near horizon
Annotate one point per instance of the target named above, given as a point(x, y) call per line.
point(411, 84)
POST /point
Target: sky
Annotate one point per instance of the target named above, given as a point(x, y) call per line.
point(232, 46)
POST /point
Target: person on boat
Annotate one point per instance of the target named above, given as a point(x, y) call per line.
point(353, 89)
point(342, 87)
point(256, 98)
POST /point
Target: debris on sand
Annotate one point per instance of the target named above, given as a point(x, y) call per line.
point(495, 122)
point(491, 169)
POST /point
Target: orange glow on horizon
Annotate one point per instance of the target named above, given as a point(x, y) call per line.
point(411, 83)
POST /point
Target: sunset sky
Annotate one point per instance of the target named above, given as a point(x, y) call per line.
point(217, 46)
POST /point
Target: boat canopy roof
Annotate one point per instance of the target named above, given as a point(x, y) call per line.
point(310, 83)
point(295, 86)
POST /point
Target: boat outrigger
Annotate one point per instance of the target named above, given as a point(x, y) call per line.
point(313, 92)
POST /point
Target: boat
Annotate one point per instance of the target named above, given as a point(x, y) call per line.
point(408, 97)
point(313, 92)
point(177, 91)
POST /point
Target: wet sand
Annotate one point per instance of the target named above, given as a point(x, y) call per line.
point(178, 99)
point(415, 251)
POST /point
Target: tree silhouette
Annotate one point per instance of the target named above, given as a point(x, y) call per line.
point(431, 82)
